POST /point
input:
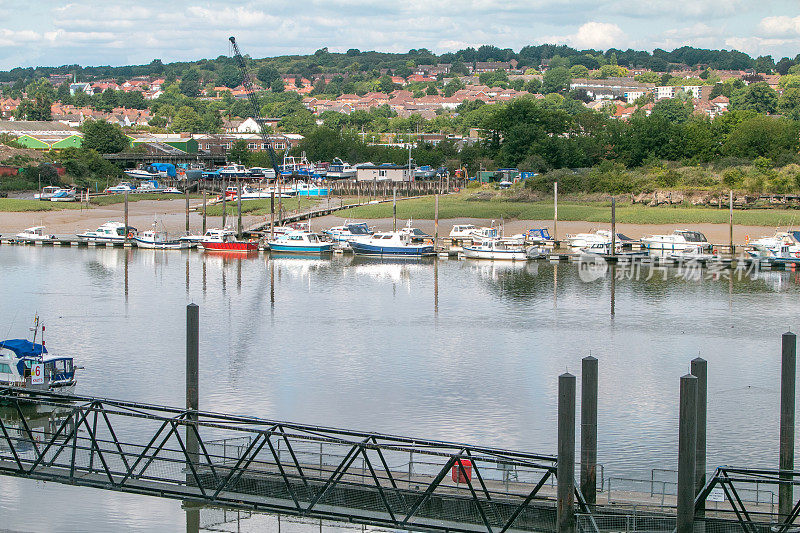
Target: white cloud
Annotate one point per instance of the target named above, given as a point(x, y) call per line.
point(598, 35)
point(780, 26)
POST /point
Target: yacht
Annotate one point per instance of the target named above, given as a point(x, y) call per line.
point(425, 172)
point(64, 195)
point(307, 189)
point(392, 243)
point(36, 233)
point(142, 174)
point(777, 241)
point(585, 240)
point(109, 232)
point(300, 242)
point(347, 231)
point(678, 240)
point(503, 249)
point(225, 240)
point(233, 171)
point(538, 235)
point(338, 170)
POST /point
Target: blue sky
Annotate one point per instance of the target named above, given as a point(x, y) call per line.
point(41, 32)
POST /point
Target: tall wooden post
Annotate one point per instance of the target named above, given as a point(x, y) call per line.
point(589, 429)
point(436, 222)
point(126, 217)
point(204, 211)
point(730, 219)
point(224, 202)
point(186, 194)
point(786, 457)
point(192, 403)
point(687, 450)
point(613, 226)
point(238, 209)
point(566, 455)
point(272, 215)
point(555, 211)
point(394, 208)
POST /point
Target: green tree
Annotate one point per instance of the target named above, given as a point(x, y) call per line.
point(556, 80)
point(675, 110)
point(267, 74)
point(789, 103)
point(762, 136)
point(229, 76)
point(579, 71)
point(277, 85)
point(758, 97)
point(238, 152)
point(103, 137)
point(452, 87)
point(190, 83)
point(385, 84)
point(187, 120)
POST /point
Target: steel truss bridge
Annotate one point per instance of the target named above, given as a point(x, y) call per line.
point(261, 465)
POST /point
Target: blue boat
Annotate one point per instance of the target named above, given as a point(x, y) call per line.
point(300, 242)
point(392, 243)
point(17, 360)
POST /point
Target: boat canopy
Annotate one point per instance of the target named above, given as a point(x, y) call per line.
point(541, 233)
point(23, 347)
point(623, 238)
point(796, 235)
point(169, 168)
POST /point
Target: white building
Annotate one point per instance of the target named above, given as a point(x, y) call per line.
point(384, 173)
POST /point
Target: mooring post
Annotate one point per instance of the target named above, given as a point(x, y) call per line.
point(204, 211)
point(555, 212)
point(238, 209)
point(436, 222)
point(126, 217)
point(565, 472)
point(192, 404)
point(589, 429)
point(186, 193)
point(788, 372)
point(687, 451)
point(699, 369)
point(224, 202)
point(613, 226)
point(394, 208)
point(730, 219)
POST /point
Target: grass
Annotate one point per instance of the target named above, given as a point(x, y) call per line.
point(259, 207)
point(15, 205)
point(120, 198)
point(457, 206)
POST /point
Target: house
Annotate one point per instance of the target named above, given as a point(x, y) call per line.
point(610, 88)
point(248, 125)
point(80, 88)
point(493, 66)
point(385, 172)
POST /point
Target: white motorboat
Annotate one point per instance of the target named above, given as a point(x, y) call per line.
point(585, 240)
point(777, 241)
point(121, 188)
point(463, 231)
point(141, 174)
point(47, 192)
point(338, 169)
point(233, 171)
point(678, 240)
point(348, 231)
point(160, 240)
point(109, 232)
point(171, 190)
point(502, 249)
point(36, 233)
point(392, 243)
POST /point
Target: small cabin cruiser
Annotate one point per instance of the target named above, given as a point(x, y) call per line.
point(225, 240)
point(585, 240)
point(123, 187)
point(233, 171)
point(27, 365)
point(159, 240)
point(504, 249)
point(678, 240)
point(171, 190)
point(33, 234)
point(463, 231)
point(47, 192)
point(538, 235)
point(300, 242)
point(347, 231)
point(391, 243)
point(777, 241)
point(338, 169)
point(64, 195)
point(109, 232)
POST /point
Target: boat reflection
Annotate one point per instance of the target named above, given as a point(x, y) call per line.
point(392, 269)
point(28, 426)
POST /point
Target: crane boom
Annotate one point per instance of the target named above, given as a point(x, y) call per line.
point(247, 83)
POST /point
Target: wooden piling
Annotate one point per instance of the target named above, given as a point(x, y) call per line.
point(613, 226)
point(699, 369)
point(566, 455)
point(224, 203)
point(786, 457)
point(238, 210)
point(555, 211)
point(687, 449)
point(126, 217)
point(589, 429)
point(204, 211)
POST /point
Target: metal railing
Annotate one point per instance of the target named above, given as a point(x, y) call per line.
point(263, 465)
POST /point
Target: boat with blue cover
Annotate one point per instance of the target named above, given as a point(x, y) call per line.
point(18, 360)
point(348, 231)
point(300, 242)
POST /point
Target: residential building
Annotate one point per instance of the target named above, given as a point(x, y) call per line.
point(386, 172)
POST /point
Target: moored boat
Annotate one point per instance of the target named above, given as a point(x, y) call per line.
point(348, 231)
point(109, 232)
point(36, 233)
point(502, 249)
point(677, 240)
point(391, 243)
point(121, 188)
point(160, 240)
point(47, 192)
point(301, 242)
point(585, 240)
point(225, 240)
point(64, 195)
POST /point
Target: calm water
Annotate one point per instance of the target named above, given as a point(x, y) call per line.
point(445, 349)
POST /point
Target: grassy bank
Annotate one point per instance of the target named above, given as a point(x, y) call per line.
point(18, 206)
point(120, 198)
point(459, 207)
point(259, 207)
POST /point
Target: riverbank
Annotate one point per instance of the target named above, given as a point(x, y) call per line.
point(170, 215)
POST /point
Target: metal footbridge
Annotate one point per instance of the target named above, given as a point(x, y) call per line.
point(263, 465)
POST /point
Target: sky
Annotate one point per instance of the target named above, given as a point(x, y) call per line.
point(86, 32)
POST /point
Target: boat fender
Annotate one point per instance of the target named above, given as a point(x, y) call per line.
point(130, 235)
point(715, 251)
point(456, 189)
point(747, 239)
point(797, 254)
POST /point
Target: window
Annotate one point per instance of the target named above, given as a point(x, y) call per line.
point(251, 146)
point(263, 146)
point(382, 173)
point(5, 369)
point(279, 146)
